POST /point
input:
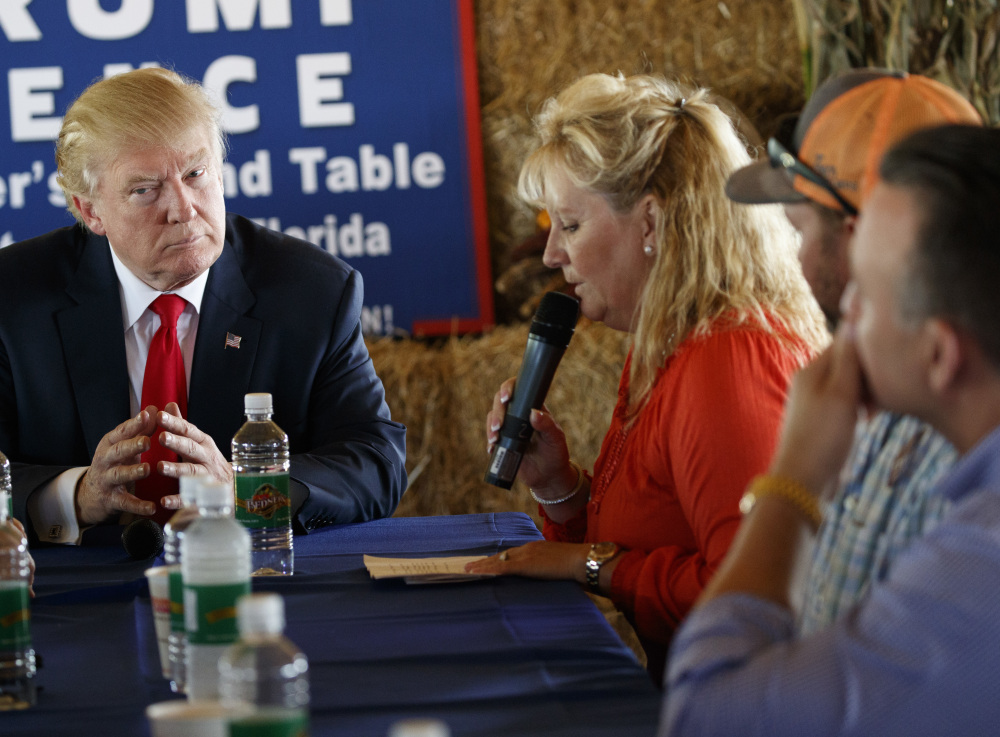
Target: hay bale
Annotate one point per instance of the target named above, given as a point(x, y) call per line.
point(443, 391)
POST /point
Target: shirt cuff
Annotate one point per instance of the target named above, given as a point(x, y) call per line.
point(52, 509)
point(574, 530)
point(625, 580)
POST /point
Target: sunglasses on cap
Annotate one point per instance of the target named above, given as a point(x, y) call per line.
point(782, 158)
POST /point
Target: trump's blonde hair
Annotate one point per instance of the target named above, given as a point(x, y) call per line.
point(146, 107)
point(624, 137)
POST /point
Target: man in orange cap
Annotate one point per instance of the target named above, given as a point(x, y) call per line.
point(822, 177)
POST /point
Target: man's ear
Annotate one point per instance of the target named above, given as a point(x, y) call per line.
point(945, 354)
point(89, 214)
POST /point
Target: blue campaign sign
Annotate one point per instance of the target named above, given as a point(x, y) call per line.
point(354, 125)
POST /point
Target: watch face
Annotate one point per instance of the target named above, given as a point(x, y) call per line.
point(603, 551)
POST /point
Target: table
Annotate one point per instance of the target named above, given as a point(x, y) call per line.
point(506, 656)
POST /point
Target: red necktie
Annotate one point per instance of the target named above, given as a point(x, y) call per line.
point(163, 382)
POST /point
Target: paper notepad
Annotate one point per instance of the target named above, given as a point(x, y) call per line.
point(423, 570)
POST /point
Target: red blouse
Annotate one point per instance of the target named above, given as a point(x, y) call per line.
point(667, 488)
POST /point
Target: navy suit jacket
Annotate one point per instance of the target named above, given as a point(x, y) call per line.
point(296, 308)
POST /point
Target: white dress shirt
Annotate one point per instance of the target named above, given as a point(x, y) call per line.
point(51, 507)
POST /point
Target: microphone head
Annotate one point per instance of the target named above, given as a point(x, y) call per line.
point(555, 319)
point(142, 539)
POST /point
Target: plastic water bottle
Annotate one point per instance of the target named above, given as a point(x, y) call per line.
point(173, 533)
point(215, 566)
point(263, 504)
point(17, 658)
point(5, 484)
point(263, 677)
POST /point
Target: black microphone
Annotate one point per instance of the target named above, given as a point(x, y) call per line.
point(551, 330)
point(142, 539)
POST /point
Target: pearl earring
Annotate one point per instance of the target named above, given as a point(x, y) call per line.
point(648, 250)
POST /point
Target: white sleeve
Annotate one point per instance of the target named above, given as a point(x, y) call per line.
point(52, 510)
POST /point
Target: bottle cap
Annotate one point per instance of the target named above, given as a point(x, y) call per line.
point(189, 489)
point(214, 493)
point(261, 613)
point(257, 402)
point(419, 728)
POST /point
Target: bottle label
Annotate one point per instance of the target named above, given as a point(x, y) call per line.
point(210, 612)
point(15, 616)
point(277, 723)
point(176, 583)
point(262, 500)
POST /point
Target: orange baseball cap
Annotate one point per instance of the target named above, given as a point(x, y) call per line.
point(843, 131)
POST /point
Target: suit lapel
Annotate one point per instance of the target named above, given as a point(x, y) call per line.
point(94, 344)
point(220, 374)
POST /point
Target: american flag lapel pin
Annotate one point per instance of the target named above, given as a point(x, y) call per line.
point(233, 341)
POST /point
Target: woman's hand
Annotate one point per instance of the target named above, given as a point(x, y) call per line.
point(545, 464)
point(541, 559)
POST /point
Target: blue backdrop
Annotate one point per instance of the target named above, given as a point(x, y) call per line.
point(351, 124)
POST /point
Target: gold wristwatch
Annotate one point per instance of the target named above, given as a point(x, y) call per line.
point(600, 553)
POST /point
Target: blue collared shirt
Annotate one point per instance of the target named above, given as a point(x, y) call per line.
point(917, 657)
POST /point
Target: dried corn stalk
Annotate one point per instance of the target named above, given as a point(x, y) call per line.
point(953, 41)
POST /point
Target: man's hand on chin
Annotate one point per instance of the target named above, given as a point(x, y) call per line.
point(820, 416)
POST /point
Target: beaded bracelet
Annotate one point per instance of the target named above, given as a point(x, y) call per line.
point(580, 477)
point(791, 491)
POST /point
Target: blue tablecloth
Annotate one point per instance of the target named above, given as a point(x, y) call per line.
point(507, 656)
